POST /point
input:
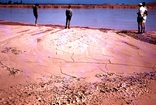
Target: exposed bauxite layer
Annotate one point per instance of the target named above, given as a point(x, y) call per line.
point(79, 52)
point(30, 54)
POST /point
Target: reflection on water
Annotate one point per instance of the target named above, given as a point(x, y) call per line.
point(103, 18)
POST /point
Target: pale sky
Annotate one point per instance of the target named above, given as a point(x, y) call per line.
point(83, 1)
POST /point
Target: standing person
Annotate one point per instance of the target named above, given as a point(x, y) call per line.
point(144, 17)
point(35, 11)
point(68, 16)
point(139, 19)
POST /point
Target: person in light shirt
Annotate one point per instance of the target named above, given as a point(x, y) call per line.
point(142, 16)
point(139, 19)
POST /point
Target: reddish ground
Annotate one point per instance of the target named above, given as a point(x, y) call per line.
point(50, 65)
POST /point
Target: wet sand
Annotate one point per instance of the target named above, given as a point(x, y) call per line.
point(50, 65)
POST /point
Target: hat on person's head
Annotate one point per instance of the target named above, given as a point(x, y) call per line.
point(140, 4)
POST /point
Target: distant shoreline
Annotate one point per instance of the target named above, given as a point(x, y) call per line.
point(79, 6)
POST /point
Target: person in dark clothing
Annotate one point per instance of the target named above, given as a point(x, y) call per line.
point(68, 16)
point(35, 11)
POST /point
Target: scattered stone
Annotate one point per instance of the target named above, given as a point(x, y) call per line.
point(13, 50)
point(81, 92)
